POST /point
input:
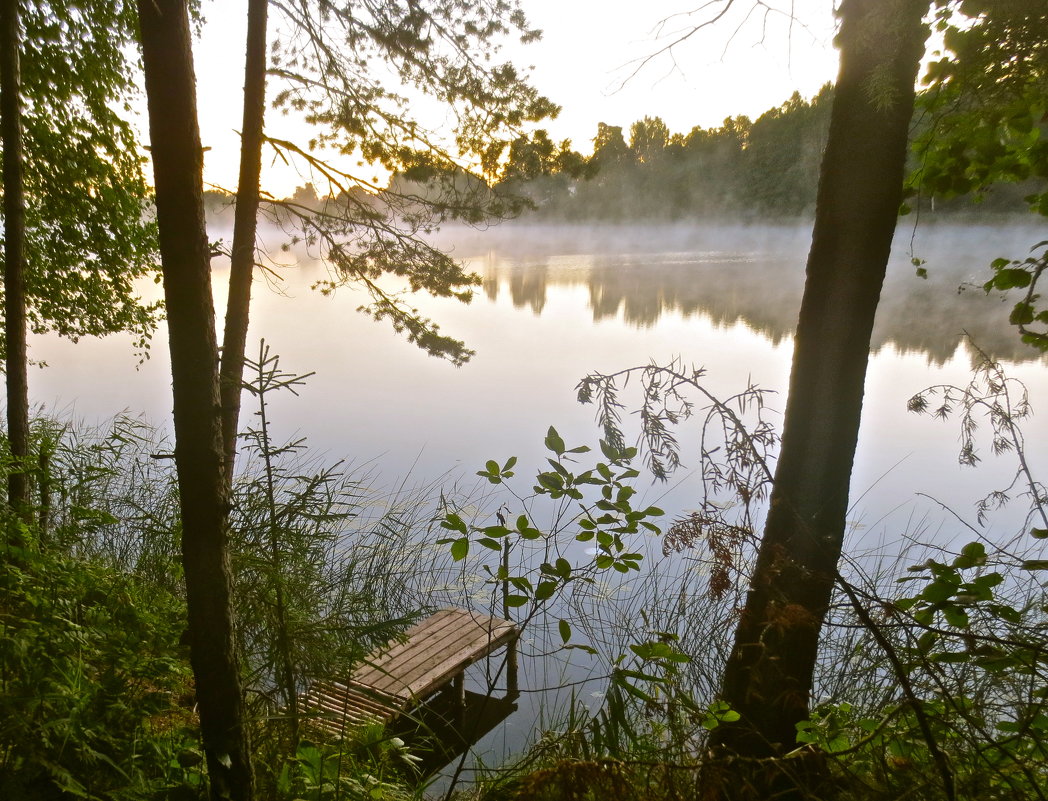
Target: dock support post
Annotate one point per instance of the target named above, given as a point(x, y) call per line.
point(458, 695)
point(512, 691)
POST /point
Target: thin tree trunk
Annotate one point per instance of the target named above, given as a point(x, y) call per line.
point(768, 677)
point(245, 224)
point(185, 259)
point(16, 360)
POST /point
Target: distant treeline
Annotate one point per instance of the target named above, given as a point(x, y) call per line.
point(743, 170)
point(750, 169)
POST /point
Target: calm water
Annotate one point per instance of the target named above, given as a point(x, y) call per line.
point(559, 303)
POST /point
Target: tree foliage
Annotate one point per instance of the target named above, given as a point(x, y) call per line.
point(88, 237)
point(442, 49)
point(767, 167)
point(358, 72)
point(987, 109)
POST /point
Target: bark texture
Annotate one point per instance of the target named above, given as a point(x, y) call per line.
point(16, 357)
point(768, 677)
point(185, 259)
point(245, 224)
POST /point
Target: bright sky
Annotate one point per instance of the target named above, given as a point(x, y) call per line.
point(588, 48)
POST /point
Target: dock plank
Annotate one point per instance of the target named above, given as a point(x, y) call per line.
point(404, 673)
point(436, 649)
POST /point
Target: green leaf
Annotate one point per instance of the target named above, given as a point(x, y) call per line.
point(554, 442)
point(950, 658)
point(487, 542)
point(522, 583)
point(1039, 533)
point(642, 676)
point(550, 481)
point(972, 555)
point(459, 549)
point(986, 582)
point(565, 630)
point(974, 550)
point(453, 522)
point(637, 692)
point(1022, 314)
point(1022, 123)
point(719, 712)
point(1035, 564)
point(938, 591)
point(589, 649)
point(955, 616)
point(545, 590)
point(516, 600)
point(1011, 278)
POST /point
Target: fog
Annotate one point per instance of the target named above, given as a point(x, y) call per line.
point(755, 275)
point(557, 303)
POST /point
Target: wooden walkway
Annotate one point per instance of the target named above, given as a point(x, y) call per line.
point(392, 680)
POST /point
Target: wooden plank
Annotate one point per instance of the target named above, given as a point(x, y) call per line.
point(433, 634)
point(338, 703)
point(433, 652)
point(438, 648)
point(432, 629)
point(445, 626)
point(438, 668)
point(400, 660)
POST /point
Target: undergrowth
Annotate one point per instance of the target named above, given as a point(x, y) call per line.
point(933, 685)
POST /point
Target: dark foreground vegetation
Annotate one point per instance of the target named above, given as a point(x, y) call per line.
point(97, 690)
point(932, 681)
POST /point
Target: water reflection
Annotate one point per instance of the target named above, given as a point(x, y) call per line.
point(557, 304)
point(758, 279)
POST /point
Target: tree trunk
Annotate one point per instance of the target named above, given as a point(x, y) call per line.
point(16, 364)
point(242, 261)
point(185, 259)
point(768, 677)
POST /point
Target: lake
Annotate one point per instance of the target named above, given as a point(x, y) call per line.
point(557, 303)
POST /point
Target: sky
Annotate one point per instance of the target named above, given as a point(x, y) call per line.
point(584, 62)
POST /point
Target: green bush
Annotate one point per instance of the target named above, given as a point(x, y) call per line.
point(95, 691)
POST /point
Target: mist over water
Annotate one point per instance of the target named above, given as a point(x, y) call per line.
point(559, 302)
point(755, 275)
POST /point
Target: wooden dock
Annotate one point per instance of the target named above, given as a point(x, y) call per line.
point(431, 658)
